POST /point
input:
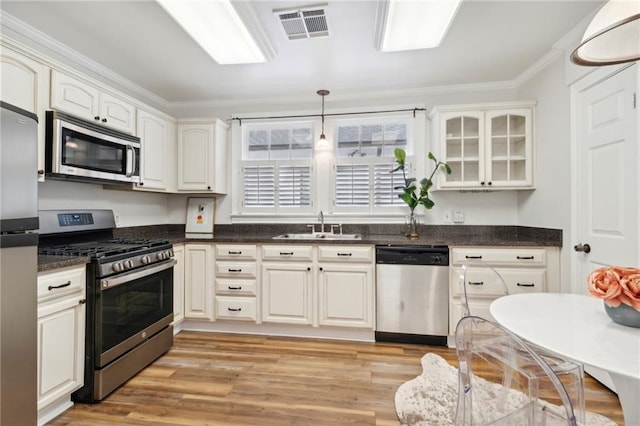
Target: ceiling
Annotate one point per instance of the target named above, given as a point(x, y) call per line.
point(489, 41)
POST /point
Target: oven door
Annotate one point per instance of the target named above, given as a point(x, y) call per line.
point(130, 308)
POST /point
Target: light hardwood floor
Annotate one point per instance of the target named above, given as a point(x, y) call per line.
point(224, 379)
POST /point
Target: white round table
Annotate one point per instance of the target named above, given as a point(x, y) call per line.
point(577, 327)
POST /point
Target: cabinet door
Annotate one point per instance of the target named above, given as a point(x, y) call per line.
point(74, 97)
point(509, 154)
point(195, 157)
point(287, 295)
point(221, 158)
point(346, 295)
point(462, 139)
point(24, 84)
point(61, 327)
point(117, 114)
point(198, 264)
point(178, 284)
point(152, 131)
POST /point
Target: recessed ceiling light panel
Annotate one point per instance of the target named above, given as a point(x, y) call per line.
point(411, 24)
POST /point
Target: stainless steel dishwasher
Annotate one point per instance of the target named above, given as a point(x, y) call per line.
point(412, 294)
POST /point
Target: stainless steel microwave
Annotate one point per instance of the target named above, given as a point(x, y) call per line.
point(81, 150)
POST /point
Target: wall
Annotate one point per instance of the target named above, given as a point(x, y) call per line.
point(131, 208)
point(550, 204)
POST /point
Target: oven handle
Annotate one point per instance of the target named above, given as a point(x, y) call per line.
point(108, 283)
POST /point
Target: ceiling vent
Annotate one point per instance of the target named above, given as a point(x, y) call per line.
point(308, 22)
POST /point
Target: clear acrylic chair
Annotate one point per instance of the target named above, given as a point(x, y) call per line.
point(570, 373)
point(504, 381)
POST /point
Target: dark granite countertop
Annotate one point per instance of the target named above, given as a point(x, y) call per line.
point(376, 234)
point(49, 263)
point(380, 234)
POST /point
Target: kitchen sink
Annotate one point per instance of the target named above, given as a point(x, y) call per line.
point(318, 236)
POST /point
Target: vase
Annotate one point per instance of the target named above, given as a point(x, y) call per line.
point(411, 226)
point(623, 315)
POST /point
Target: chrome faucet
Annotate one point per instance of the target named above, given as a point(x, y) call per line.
point(321, 216)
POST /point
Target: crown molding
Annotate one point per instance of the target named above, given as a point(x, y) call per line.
point(538, 66)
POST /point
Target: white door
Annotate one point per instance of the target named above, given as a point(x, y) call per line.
point(607, 185)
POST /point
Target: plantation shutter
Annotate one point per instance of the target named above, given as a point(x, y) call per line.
point(384, 183)
point(294, 185)
point(259, 186)
point(352, 185)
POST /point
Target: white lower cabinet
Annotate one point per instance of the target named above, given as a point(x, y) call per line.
point(523, 269)
point(287, 292)
point(198, 291)
point(61, 334)
point(346, 294)
point(236, 282)
point(178, 284)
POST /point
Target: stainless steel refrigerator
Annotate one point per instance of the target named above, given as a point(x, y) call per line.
point(18, 266)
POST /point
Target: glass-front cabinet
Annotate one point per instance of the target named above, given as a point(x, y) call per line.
point(486, 146)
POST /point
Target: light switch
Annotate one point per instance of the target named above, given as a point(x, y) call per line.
point(458, 216)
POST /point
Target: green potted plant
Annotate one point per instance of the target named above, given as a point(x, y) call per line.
point(413, 195)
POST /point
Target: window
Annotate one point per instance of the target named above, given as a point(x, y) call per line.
point(364, 160)
point(276, 166)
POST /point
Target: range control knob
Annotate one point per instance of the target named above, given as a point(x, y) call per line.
point(145, 260)
point(168, 254)
point(160, 256)
point(117, 267)
point(128, 264)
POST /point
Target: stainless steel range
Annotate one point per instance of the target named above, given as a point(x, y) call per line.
point(129, 295)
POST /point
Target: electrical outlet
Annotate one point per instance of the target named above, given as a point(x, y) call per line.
point(117, 219)
point(458, 216)
point(446, 216)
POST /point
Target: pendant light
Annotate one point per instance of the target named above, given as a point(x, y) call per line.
point(322, 142)
point(612, 37)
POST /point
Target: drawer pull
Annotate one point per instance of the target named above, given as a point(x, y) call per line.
point(235, 270)
point(476, 283)
point(473, 257)
point(235, 288)
point(82, 301)
point(286, 253)
point(344, 254)
point(234, 309)
point(525, 284)
point(67, 284)
point(524, 257)
point(235, 252)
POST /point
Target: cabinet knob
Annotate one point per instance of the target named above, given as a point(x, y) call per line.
point(489, 183)
point(309, 268)
point(82, 301)
point(141, 184)
point(104, 120)
point(585, 248)
point(209, 188)
point(96, 118)
point(321, 268)
point(40, 172)
point(482, 183)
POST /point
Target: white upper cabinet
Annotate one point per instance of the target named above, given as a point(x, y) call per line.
point(25, 85)
point(486, 146)
point(157, 139)
point(85, 101)
point(202, 157)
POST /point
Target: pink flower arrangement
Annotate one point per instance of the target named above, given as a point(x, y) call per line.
point(616, 285)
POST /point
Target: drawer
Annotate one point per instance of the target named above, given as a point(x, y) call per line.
point(231, 286)
point(345, 254)
point(236, 269)
point(236, 251)
point(241, 308)
point(483, 282)
point(499, 256)
point(284, 252)
point(61, 282)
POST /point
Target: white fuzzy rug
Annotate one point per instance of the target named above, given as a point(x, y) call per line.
point(430, 399)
